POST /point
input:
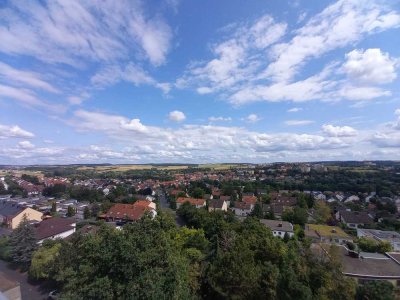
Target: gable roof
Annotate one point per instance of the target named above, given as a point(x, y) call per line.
point(192, 201)
point(10, 209)
point(356, 217)
point(249, 199)
point(242, 205)
point(216, 203)
point(53, 226)
point(127, 211)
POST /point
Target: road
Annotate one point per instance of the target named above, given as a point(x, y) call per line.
point(165, 206)
point(163, 199)
point(29, 290)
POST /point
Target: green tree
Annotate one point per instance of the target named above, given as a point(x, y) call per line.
point(139, 262)
point(257, 211)
point(23, 243)
point(86, 213)
point(297, 215)
point(53, 209)
point(198, 193)
point(322, 212)
point(71, 211)
point(43, 260)
point(377, 290)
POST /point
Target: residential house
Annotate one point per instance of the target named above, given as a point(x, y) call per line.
point(217, 204)
point(198, 203)
point(251, 200)
point(326, 234)
point(242, 208)
point(227, 199)
point(279, 228)
point(354, 219)
point(365, 267)
point(392, 237)
point(11, 214)
point(54, 228)
point(130, 212)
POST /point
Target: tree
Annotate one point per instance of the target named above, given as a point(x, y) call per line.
point(53, 209)
point(377, 290)
point(86, 213)
point(139, 262)
point(43, 259)
point(71, 211)
point(23, 243)
point(296, 216)
point(257, 211)
point(198, 193)
point(95, 210)
point(322, 212)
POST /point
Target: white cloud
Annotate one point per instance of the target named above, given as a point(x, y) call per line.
point(131, 73)
point(134, 125)
point(338, 131)
point(219, 119)
point(66, 31)
point(370, 66)
point(14, 131)
point(294, 109)
point(242, 72)
point(176, 116)
point(252, 118)
point(397, 112)
point(28, 98)
point(18, 77)
point(298, 122)
point(27, 145)
point(338, 25)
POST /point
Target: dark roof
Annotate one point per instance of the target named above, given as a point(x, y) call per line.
point(369, 267)
point(277, 225)
point(8, 209)
point(53, 226)
point(216, 203)
point(356, 217)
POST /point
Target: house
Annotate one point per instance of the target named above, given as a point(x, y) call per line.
point(217, 204)
point(227, 199)
point(242, 208)
point(9, 289)
point(198, 203)
point(130, 212)
point(392, 237)
point(11, 214)
point(251, 200)
point(54, 228)
point(279, 228)
point(354, 219)
point(364, 267)
point(326, 234)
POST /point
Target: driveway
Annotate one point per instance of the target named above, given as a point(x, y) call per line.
point(29, 290)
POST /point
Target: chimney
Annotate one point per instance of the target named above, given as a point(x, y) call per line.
point(280, 225)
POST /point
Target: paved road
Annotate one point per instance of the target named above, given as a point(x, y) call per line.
point(165, 206)
point(163, 199)
point(29, 290)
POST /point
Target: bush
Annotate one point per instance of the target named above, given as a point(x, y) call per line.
point(5, 249)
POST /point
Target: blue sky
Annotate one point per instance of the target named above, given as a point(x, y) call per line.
point(198, 81)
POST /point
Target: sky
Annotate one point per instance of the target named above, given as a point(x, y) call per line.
point(176, 81)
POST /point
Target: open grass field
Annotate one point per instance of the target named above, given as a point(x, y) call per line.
point(124, 168)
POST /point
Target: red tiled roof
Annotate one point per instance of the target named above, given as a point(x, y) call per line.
point(249, 199)
point(127, 211)
point(192, 201)
point(242, 205)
